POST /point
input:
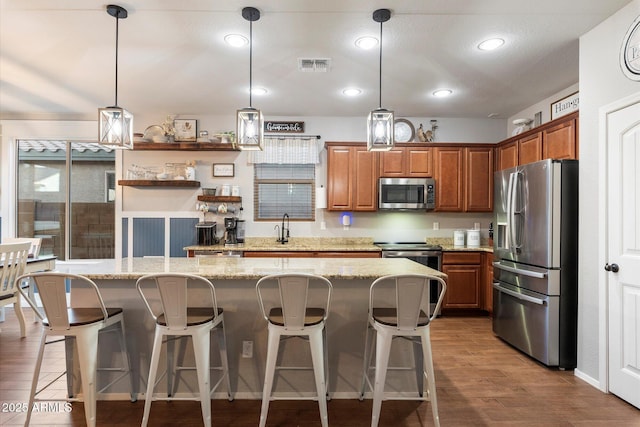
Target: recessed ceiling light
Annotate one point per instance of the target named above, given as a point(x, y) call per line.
point(442, 93)
point(259, 91)
point(367, 42)
point(351, 91)
point(491, 44)
point(236, 40)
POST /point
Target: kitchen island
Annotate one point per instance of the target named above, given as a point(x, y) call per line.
point(235, 279)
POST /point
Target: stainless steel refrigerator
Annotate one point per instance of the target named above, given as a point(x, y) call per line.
point(535, 286)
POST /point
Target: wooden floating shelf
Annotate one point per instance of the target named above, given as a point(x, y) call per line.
point(177, 183)
point(184, 146)
point(220, 199)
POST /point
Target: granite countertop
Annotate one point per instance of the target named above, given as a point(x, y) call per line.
point(320, 244)
point(325, 244)
point(236, 268)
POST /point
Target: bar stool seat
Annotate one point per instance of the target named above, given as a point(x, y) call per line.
point(177, 320)
point(398, 307)
point(83, 324)
point(290, 317)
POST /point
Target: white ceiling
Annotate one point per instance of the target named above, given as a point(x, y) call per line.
point(58, 58)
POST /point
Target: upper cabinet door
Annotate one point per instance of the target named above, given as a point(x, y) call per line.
point(339, 178)
point(392, 163)
point(530, 148)
point(507, 156)
point(559, 142)
point(419, 162)
point(449, 179)
point(365, 185)
point(478, 180)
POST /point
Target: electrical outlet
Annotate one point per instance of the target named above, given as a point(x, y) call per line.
point(436, 226)
point(476, 226)
point(247, 349)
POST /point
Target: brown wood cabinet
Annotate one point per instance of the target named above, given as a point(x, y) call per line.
point(530, 148)
point(464, 179)
point(449, 180)
point(407, 162)
point(488, 282)
point(478, 196)
point(464, 271)
point(352, 177)
point(311, 254)
point(507, 155)
point(557, 139)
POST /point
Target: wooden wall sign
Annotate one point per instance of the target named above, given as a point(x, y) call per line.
point(284, 127)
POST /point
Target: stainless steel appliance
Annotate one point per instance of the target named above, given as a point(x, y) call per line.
point(535, 289)
point(206, 233)
point(422, 253)
point(406, 193)
point(230, 231)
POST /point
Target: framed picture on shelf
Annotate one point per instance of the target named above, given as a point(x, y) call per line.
point(223, 169)
point(185, 130)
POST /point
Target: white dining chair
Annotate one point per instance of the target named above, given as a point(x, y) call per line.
point(84, 325)
point(290, 316)
point(177, 319)
point(402, 312)
point(13, 258)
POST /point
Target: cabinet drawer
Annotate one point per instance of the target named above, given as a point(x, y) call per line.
point(462, 258)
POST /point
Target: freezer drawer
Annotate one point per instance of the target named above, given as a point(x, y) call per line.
point(528, 321)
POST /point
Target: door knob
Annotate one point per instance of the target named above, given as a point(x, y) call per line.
point(613, 268)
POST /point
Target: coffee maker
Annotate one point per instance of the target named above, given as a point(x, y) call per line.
point(230, 231)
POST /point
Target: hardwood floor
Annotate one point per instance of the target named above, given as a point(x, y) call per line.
point(481, 381)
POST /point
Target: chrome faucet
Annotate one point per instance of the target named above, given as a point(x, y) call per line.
point(284, 238)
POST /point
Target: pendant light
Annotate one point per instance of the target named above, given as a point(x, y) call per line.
point(249, 121)
point(115, 123)
point(380, 121)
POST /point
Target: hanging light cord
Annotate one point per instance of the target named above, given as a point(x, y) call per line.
point(250, 60)
point(380, 72)
point(117, 20)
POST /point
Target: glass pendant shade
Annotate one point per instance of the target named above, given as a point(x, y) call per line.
point(250, 129)
point(115, 124)
point(116, 127)
point(380, 128)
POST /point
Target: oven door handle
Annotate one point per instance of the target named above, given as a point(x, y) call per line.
point(518, 295)
point(520, 271)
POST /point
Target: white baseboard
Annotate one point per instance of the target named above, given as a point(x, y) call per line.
point(589, 380)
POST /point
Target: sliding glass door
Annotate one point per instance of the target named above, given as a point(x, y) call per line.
point(66, 193)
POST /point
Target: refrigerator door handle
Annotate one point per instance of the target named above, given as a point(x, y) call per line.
point(520, 271)
point(510, 221)
point(518, 295)
point(516, 239)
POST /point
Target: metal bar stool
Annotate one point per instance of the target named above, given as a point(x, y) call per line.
point(403, 314)
point(290, 317)
point(82, 324)
point(176, 319)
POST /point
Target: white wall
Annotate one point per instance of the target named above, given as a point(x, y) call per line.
point(381, 226)
point(543, 106)
point(601, 82)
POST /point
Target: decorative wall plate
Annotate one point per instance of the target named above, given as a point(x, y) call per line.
point(403, 130)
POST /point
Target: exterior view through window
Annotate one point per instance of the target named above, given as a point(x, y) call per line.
point(286, 188)
point(66, 193)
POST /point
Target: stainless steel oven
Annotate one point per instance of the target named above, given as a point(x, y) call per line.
point(429, 255)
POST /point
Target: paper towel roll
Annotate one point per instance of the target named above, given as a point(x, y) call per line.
point(321, 197)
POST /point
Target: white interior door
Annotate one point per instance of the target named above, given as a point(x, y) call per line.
point(623, 264)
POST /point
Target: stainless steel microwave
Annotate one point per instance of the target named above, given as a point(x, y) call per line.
point(406, 194)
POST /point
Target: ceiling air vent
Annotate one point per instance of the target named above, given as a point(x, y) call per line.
point(314, 65)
